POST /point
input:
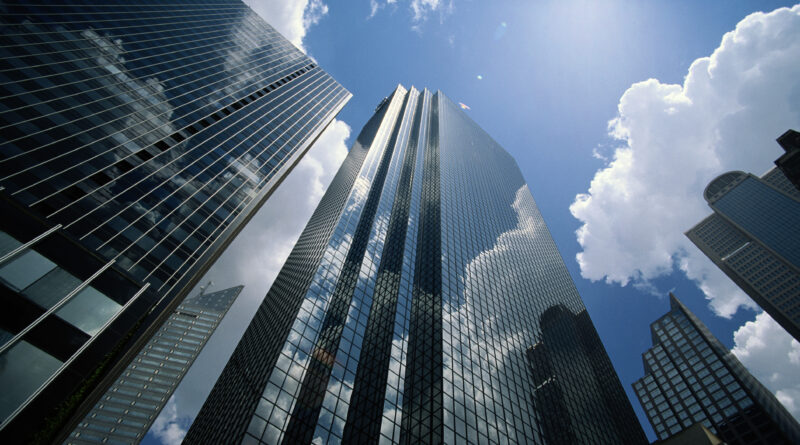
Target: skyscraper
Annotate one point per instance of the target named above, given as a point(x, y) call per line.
point(409, 307)
point(690, 377)
point(146, 134)
point(127, 410)
point(789, 162)
point(753, 237)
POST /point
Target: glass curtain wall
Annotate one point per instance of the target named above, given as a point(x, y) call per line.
point(407, 310)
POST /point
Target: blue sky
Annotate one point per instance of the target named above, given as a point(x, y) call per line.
point(545, 78)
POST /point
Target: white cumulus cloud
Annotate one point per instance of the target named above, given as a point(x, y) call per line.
point(420, 10)
point(375, 6)
point(672, 140)
point(168, 427)
point(497, 332)
point(291, 18)
point(773, 357)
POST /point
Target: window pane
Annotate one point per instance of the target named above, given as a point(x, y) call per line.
point(23, 368)
point(7, 243)
point(5, 336)
point(89, 310)
point(51, 288)
point(25, 269)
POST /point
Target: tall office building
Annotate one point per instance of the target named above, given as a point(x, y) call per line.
point(126, 411)
point(409, 306)
point(690, 377)
point(789, 162)
point(696, 434)
point(145, 134)
point(753, 237)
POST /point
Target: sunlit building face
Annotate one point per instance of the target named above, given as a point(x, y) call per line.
point(425, 302)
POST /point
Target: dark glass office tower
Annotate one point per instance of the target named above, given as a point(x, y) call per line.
point(409, 307)
point(126, 411)
point(753, 237)
point(789, 162)
point(148, 133)
point(690, 377)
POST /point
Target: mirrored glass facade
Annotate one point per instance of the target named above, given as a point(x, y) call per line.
point(126, 411)
point(425, 302)
point(690, 378)
point(752, 236)
point(149, 128)
point(149, 132)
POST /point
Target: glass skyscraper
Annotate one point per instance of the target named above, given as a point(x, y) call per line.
point(753, 237)
point(146, 134)
point(690, 378)
point(127, 410)
point(789, 162)
point(425, 302)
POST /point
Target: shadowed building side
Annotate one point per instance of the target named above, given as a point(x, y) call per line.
point(752, 236)
point(147, 133)
point(690, 378)
point(789, 162)
point(572, 377)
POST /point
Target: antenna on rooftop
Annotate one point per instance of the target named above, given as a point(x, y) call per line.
point(203, 288)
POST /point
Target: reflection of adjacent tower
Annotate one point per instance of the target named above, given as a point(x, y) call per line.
point(573, 376)
point(129, 407)
point(753, 237)
point(548, 394)
point(142, 136)
point(404, 312)
point(690, 378)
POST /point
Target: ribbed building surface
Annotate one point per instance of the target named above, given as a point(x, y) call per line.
point(753, 237)
point(147, 128)
point(409, 307)
point(690, 378)
point(149, 132)
point(127, 410)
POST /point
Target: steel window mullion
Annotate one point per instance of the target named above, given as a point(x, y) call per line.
point(218, 22)
point(89, 13)
point(112, 149)
point(222, 32)
point(230, 217)
point(177, 347)
point(27, 245)
point(276, 38)
point(224, 28)
point(202, 144)
point(218, 47)
point(134, 381)
point(148, 108)
point(119, 131)
point(324, 82)
point(199, 251)
point(54, 308)
point(90, 22)
point(79, 351)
